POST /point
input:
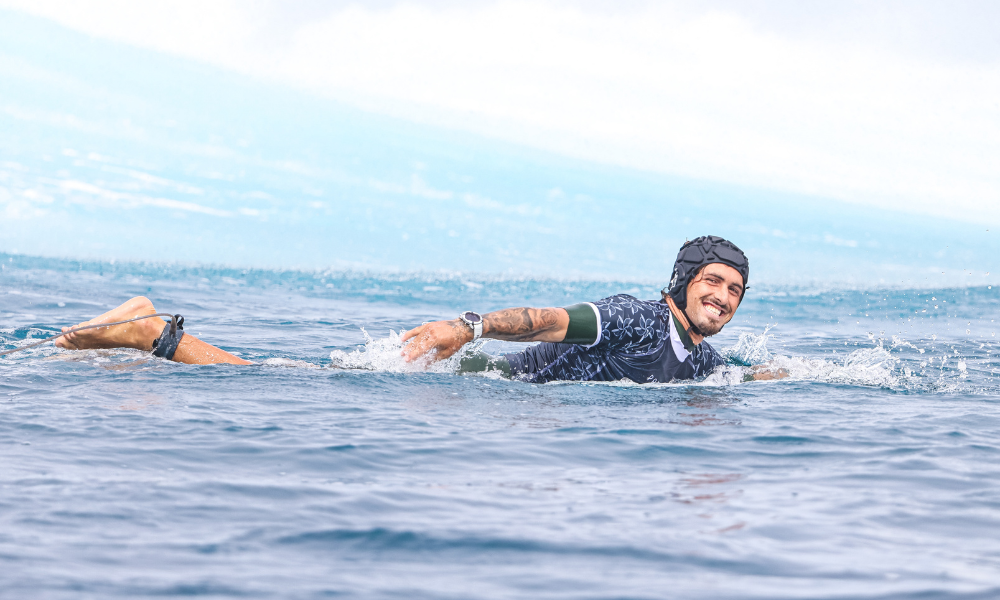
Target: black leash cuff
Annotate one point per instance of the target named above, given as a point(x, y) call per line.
point(173, 333)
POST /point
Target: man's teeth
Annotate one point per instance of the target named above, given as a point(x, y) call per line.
point(713, 309)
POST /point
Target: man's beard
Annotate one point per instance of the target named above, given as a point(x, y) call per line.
point(703, 326)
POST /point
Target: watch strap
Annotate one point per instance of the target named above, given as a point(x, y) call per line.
point(476, 326)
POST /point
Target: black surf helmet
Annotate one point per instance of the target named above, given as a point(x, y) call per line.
point(699, 252)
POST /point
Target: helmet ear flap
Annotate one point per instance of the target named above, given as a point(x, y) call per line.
point(678, 285)
point(680, 292)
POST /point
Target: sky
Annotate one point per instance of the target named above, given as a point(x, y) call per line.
point(892, 104)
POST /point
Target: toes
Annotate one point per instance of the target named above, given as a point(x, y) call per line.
point(61, 341)
point(69, 341)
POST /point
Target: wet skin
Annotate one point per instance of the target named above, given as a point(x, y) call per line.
point(712, 299)
point(715, 295)
point(140, 335)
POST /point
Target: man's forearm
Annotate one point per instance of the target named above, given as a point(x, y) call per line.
point(445, 338)
point(526, 324)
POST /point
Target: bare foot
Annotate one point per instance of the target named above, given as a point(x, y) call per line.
point(138, 335)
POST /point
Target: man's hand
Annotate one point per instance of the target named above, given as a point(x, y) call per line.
point(447, 337)
point(767, 374)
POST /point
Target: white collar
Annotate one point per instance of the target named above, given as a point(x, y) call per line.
point(675, 341)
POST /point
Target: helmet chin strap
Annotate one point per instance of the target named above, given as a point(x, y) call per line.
point(692, 328)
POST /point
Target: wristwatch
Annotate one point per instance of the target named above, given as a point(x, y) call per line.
point(475, 321)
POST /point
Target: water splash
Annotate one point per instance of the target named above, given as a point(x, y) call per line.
point(886, 364)
point(750, 349)
point(289, 363)
point(870, 367)
point(383, 355)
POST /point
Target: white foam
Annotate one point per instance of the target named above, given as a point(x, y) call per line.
point(874, 366)
point(384, 354)
point(288, 362)
point(866, 367)
point(750, 349)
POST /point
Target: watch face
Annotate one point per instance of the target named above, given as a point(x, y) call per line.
point(472, 317)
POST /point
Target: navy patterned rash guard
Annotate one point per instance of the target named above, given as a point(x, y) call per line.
point(634, 342)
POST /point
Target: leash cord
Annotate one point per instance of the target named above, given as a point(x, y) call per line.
point(173, 327)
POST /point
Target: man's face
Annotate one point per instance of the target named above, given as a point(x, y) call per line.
point(713, 296)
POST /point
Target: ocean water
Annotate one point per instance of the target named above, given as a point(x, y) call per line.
point(331, 469)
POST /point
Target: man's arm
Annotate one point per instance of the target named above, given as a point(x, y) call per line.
point(511, 324)
point(526, 324)
point(766, 372)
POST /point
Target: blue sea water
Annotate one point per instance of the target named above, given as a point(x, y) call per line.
point(869, 473)
point(329, 468)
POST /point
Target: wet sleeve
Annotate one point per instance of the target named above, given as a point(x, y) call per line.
point(481, 362)
point(706, 359)
point(627, 323)
point(583, 324)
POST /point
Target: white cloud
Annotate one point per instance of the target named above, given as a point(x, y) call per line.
point(81, 192)
point(709, 94)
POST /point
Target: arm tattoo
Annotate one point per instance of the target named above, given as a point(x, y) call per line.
point(520, 324)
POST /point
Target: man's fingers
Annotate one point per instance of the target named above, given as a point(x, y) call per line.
point(417, 348)
point(411, 352)
point(414, 348)
point(438, 336)
point(415, 331)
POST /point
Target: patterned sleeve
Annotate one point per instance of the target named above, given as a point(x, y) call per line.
point(628, 324)
point(706, 358)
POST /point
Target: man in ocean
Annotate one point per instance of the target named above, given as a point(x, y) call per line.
point(617, 338)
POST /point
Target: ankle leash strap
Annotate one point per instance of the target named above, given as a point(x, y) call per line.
point(173, 332)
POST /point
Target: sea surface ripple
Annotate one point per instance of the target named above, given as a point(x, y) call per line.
point(328, 469)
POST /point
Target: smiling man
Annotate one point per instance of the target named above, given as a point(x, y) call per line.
point(616, 338)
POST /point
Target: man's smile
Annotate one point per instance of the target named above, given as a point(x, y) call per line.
point(712, 309)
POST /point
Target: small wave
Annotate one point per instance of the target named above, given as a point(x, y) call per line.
point(887, 364)
point(289, 362)
point(750, 349)
point(383, 354)
point(872, 367)
point(880, 365)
